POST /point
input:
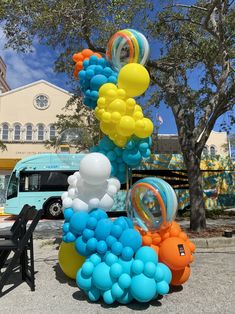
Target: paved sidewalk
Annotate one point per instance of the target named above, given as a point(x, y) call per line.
point(209, 290)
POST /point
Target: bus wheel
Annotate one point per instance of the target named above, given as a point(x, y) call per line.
point(54, 209)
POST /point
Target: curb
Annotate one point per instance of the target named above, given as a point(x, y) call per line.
point(216, 242)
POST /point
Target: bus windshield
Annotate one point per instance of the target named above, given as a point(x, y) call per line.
point(12, 187)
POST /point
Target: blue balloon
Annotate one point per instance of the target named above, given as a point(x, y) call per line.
point(92, 244)
point(110, 240)
point(87, 234)
point(103, 229)
point(116, 270)
point(117, 248)
point(82, 282)
point(101, 277)
point(143, 289)
point(68, 212)
point(127, 253)
point(78, 222)
point(97, 81)
point(117, 291)
point(101, 247)
point(147, 254)
point(131, 238)
point(94, 294)
point(124, 281)
point(166, 271)
point(162, 287)
point(87, 269)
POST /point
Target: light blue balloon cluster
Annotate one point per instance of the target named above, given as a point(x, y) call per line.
point(95, 73)
point(130, 156)
point(117, 267)
point(94, 232)
point(142, 278)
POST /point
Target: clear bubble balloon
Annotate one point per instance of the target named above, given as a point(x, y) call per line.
point(152, 204)
point(127, 46)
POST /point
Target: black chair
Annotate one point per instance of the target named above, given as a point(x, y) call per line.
point(20, 244)
point(8, 234)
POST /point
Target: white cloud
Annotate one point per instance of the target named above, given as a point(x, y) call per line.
point(23, 69)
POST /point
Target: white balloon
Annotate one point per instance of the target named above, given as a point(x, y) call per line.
point(67, 202)
point(115, 182)
point(77, 174)
point(72, 192)
point(112, 190)
point(106, 202)
point(95, 168)
point(93, 203)
point(79, 205)
point(64, 195)
point(72, 180)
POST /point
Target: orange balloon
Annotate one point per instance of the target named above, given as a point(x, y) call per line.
point(87, 52)
point(147, 240)
point(174, 253)
point(180, 276)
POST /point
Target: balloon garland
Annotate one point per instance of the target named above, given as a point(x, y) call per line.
point(109, 87)
point(127, 258)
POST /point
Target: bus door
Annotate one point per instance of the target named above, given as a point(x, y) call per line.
point(29, 189)
point(12, 200)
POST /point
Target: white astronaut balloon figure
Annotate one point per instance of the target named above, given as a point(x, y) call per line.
point(91, 187)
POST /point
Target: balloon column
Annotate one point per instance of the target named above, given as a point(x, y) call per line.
point(109, 86)
point(152, 206)
point(127, 258)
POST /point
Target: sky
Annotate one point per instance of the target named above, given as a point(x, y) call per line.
point(23, 69)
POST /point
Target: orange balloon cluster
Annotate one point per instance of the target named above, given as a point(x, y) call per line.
point(173, 248)
point(79, 57)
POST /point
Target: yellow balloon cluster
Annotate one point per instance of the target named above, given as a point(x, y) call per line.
point(119, 115)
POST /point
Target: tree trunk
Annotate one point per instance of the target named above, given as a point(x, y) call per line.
point(197, 206)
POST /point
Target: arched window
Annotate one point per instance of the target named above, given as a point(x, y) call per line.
point(212, 150)
point(17, 130)
point(29, 132)
point(5, 132)
point(41, 132)
point(52, 132)
point(205, 151)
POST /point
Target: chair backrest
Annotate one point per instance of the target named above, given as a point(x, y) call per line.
point(27, 233)
point(19, 218)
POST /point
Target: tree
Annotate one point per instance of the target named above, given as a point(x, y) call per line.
point(194, 40)
point(2, 146)
point(77, 127)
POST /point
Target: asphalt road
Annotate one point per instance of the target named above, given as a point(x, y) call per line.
point(211, 288)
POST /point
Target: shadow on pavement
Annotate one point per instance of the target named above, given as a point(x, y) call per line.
point(14, 281)
point(61, 277)
point(134, 305)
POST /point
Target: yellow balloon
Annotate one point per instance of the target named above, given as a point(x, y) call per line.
point(143, 128)
point(126, 126)
point(104, 89)
point(118, 105)
point(105, 127)
point(134, 79)
point(69, 260)
point(106, 117)
point(120, 140)
point(115, 117)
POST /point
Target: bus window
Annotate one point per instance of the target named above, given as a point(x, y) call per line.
point(44, 181)
point(12, 187)
point(54, 180)
point(30, 182)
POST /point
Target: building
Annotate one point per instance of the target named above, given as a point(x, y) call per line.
point(27, 115)
point(217, 144)
point(4, 87)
